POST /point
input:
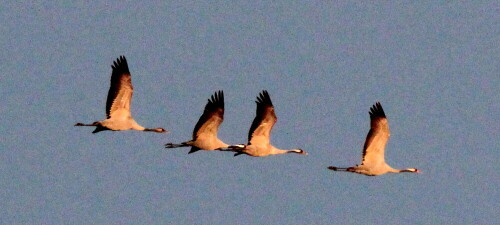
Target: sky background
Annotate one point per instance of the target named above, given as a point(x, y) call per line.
point(434, 66)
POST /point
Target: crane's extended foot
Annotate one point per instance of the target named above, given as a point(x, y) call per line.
point(89, 125)
point(171, 145)
point(333, 168)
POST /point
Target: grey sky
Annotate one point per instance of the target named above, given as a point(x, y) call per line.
point(433, 65)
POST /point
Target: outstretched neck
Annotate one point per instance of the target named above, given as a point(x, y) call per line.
point(136, 126)
point(276, 151)
point(157, 130)
point(409, 170)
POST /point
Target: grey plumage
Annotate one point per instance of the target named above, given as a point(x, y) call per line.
point(373, 156)
point(118, 116)
point(260, 131)
point(205, 130)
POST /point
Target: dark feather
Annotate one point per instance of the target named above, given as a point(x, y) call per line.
point(99, 128)
point(213, 109)
point(193, 149)
point(120, 71)
point(265, 113)
point(376, 113)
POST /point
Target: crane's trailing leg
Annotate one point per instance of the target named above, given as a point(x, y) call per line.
point(337, 168)
point(97, 124)
point(171, 145)
point(90, 125)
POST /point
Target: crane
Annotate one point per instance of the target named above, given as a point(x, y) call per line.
point(373, 162)
point(118, 116)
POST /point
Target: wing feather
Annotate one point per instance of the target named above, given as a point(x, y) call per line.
point(212, 116)
point(376, 140)
point(120, 90)
point(260, 131)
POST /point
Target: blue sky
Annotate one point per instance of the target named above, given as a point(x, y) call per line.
point(433, 65)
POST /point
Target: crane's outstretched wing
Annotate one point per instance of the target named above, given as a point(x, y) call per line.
point(120, 91)
point(212, 117)
point(373, 151)
point(265, 118)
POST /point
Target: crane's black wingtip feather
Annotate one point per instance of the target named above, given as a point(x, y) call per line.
point(377, 111)
point(264, 98)
point(221, 98)
point(216, 100)
point(120, 65)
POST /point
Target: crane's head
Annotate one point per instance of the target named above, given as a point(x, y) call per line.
point(161, 130)
point(412, 170)
point(299, 151)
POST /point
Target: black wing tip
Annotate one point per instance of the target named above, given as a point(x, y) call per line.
point(120, 65)
point(377, 111)
point(264, 98)
point(216, 100)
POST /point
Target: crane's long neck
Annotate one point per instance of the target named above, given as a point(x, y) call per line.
point(408, 170)
point(276, 151)
point(220, 144)
point(150, 129)
point(136, 126)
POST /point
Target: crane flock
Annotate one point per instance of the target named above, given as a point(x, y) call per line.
point(118, 118)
